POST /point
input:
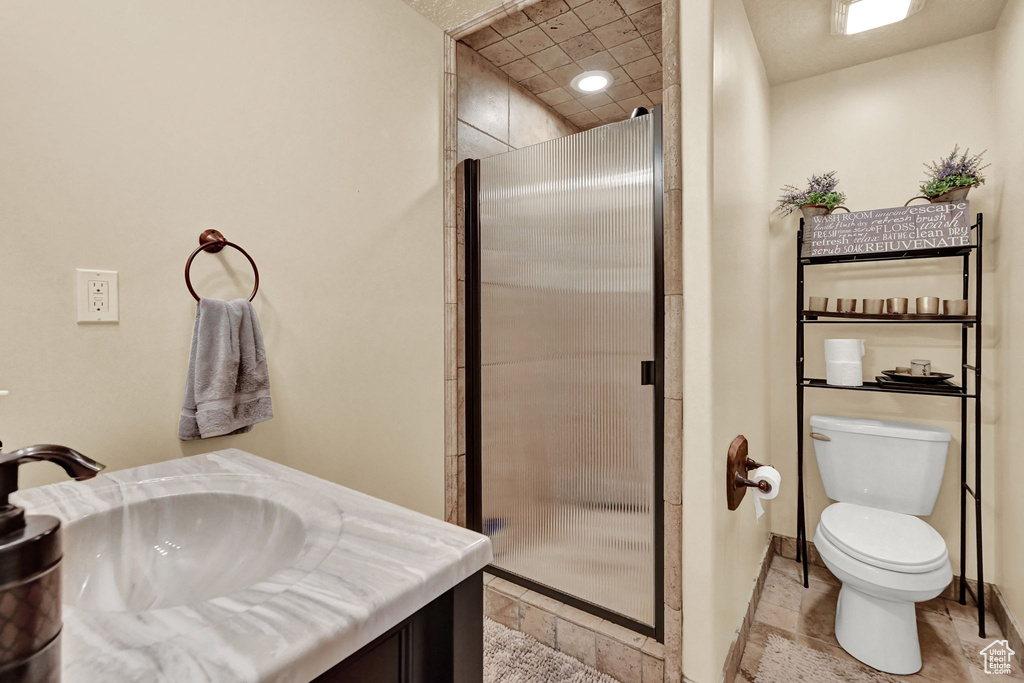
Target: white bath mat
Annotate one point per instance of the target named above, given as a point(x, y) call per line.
point(514, 657)
point(784, 661)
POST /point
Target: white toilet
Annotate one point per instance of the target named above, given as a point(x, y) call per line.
point(882, 474)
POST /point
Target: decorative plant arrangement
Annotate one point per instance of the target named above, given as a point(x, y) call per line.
point(821, 197)
point(952, 177)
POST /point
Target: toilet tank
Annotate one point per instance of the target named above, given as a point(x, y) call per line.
point(894, 466)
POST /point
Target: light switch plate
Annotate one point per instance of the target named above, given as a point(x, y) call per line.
point(97, 296)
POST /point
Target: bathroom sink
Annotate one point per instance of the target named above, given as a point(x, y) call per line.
point(231, 568)
point(178, 549)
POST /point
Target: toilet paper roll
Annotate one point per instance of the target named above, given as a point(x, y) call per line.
point(844, 349)
point(844, 373)
point(771, 475)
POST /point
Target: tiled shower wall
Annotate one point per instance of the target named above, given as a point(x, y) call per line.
point(494, 114)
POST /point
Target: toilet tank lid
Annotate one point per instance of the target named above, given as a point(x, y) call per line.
point(894, 430)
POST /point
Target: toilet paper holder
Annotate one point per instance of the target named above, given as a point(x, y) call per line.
point(737, 466)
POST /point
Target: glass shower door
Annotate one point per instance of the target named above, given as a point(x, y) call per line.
point(566, 252)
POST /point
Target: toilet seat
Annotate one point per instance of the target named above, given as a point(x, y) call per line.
point(884, 539)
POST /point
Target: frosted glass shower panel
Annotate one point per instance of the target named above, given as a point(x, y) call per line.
point(567, 317)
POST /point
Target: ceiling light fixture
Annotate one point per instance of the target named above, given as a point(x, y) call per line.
point(592, 81)
point(856, 16)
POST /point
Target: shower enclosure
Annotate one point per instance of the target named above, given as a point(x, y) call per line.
point(564, 357)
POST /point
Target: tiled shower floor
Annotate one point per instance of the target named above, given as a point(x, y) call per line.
point(948, 630)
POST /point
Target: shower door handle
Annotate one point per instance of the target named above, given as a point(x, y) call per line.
point(648, 372)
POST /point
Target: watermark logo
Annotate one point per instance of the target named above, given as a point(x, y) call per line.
point(998, 656)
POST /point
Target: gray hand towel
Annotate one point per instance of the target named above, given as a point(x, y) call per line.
point(228, 388)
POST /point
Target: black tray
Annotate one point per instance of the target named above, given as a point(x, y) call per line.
point(945, 385)
point(934, 378)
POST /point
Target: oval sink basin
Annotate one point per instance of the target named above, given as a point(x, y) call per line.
point(176, 550)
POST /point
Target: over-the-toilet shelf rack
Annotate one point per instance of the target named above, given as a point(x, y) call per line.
point(964, 392)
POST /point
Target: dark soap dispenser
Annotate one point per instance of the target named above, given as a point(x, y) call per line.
point(30, 555)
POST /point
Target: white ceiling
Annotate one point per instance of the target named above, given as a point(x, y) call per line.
point(795, 41)
point(451, 13)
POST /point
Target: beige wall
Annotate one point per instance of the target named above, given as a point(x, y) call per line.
point(1007, 535)
point(725, 239)
point(497, 114)
point(876, 124)
point(129, 128)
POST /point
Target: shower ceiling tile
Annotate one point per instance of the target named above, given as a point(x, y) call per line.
point(522, 69)
point(551, 58)
point(610, 112)
point(600, 12)
point(512, 24)
point(482, 38)
point(602, 61)
point(545, 9)
point(581, 46)
point(569, 108)
point(630, 52)
point(563, 27)
point(617, 33)
point(654, 41)
point(531, 40)
point(648, 20)
point(618, 93)
point(501, 53)
point(650, 83)
point(643, 67)
point(539, 84)
point(634, 6)
point(585, 120)
point(546, 45)
point(555, 97)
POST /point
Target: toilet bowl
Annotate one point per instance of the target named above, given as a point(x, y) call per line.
point(886, 562)
point(882, 474)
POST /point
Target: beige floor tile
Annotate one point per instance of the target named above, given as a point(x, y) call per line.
point(933, 605)
point(818, 578)
point(759, 633)
point(941, 653)
point(751, 659)
point(818, 616)
point(779, 617)
point(972, 646)
point(968, 612)
point(782, 590)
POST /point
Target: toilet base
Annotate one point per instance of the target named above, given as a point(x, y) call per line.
point(880, 633)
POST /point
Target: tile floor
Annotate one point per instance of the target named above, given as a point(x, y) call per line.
point(948, 630)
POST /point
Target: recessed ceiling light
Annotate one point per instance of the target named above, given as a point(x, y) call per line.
point(592, 81)
point(856, 16)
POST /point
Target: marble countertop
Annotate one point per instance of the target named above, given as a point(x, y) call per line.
point(365, 565)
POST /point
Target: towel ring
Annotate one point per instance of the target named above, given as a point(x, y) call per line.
point(211, 241)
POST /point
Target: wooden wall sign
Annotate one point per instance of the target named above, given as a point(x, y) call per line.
point(907, 228)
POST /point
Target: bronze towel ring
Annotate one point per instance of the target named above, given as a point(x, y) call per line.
point(211, 241)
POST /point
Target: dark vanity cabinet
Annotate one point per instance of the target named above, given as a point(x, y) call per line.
point(441, 643)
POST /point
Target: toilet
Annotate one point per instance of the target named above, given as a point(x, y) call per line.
point(882, 474)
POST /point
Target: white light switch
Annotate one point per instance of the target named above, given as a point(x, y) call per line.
point(97, 296)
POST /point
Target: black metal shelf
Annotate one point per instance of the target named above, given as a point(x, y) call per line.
point(938, 390)
point(836, 318)
point(804, 317)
